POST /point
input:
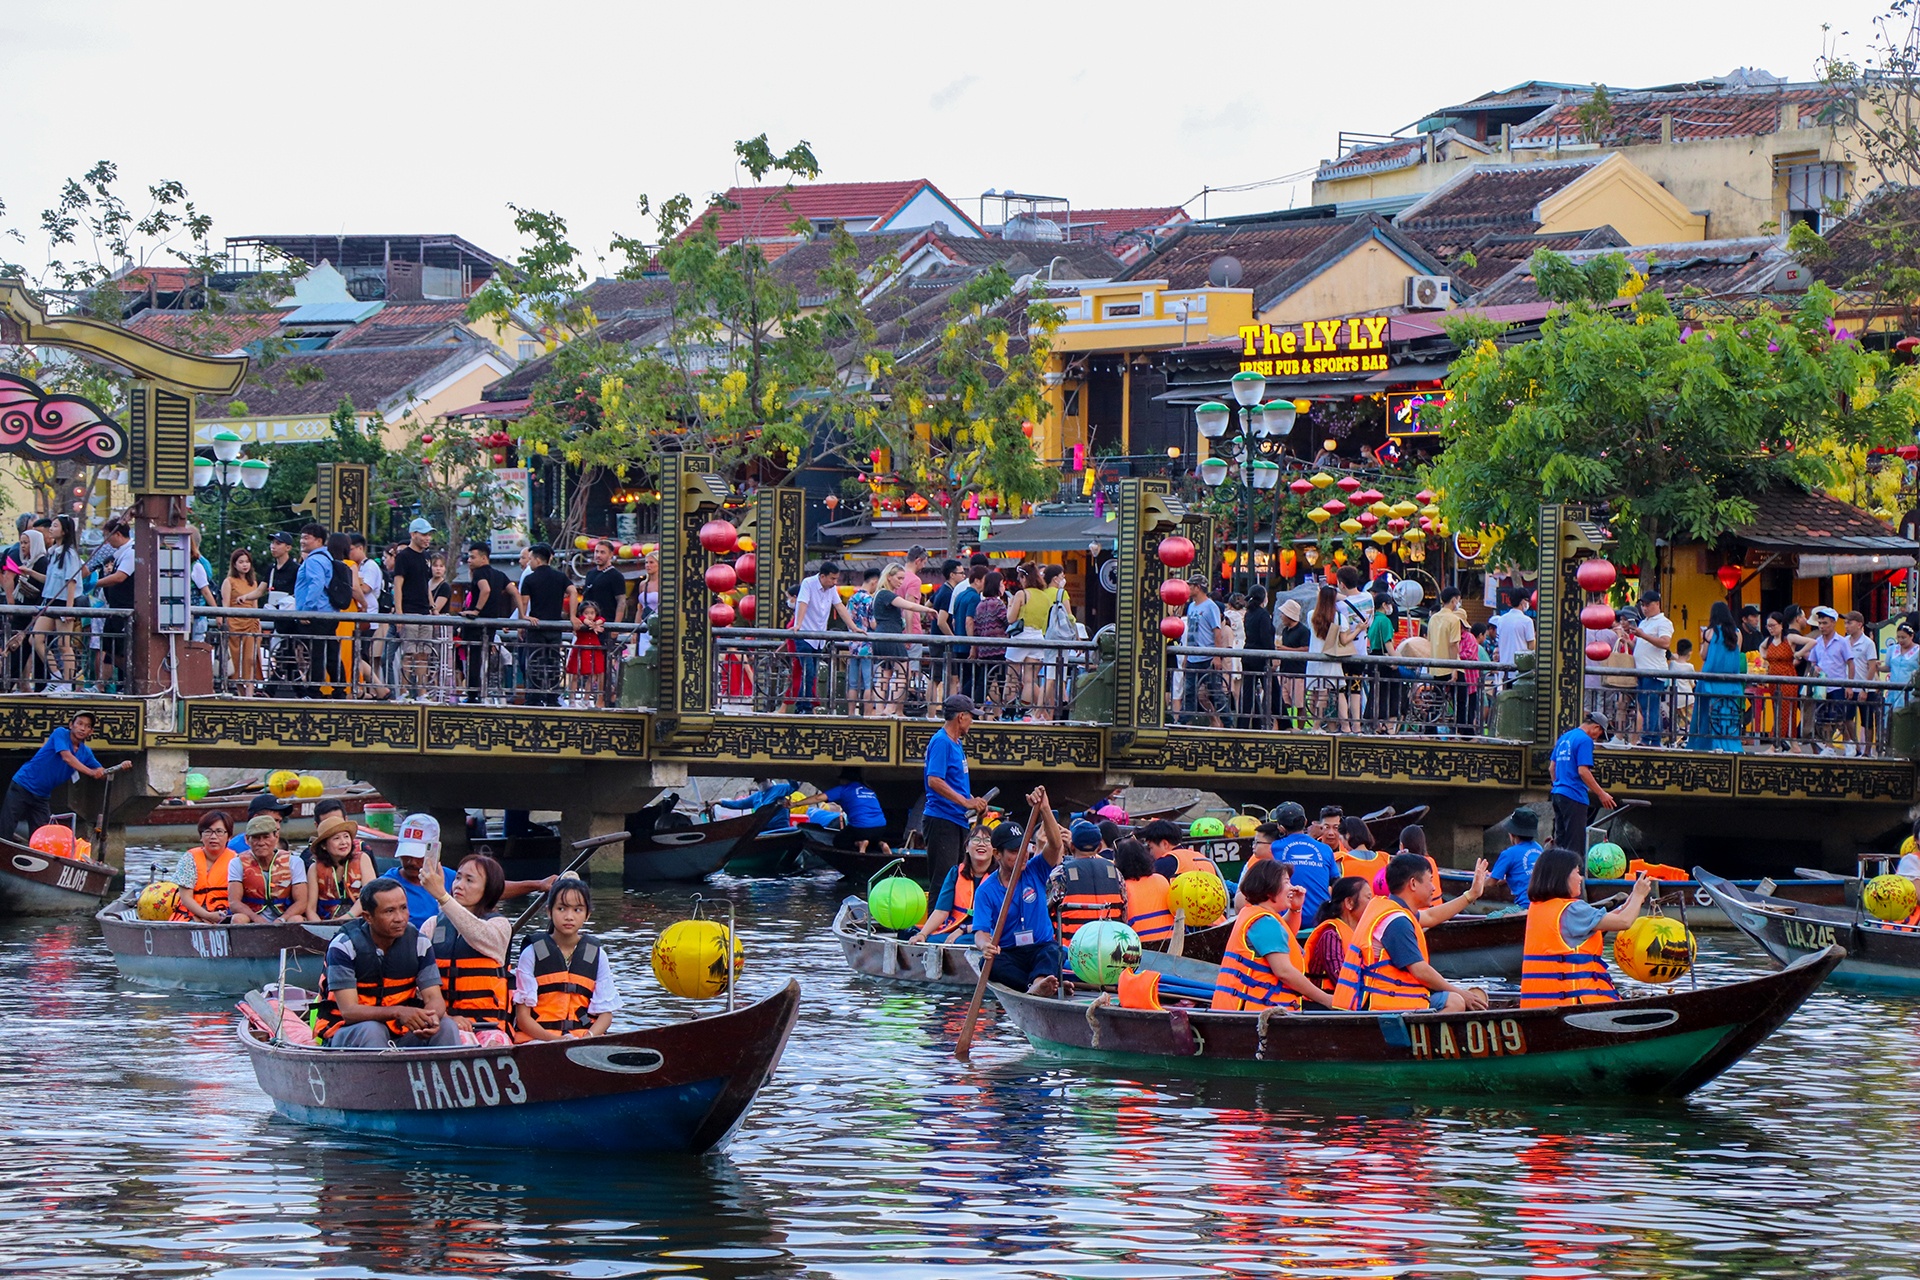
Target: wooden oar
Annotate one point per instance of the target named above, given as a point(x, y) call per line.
point(964, 1045)
point(586, 848)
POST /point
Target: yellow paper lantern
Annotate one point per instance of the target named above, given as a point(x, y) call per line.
point(1302, 406)
point(1339, 557)
point(1201, 895)
point(1351, 525)
point(1319, 479)
point(1319, 515)
point(1405, 509)
point(744, 544)
point(1415, 535)
point(1382, 537)
point(1229, 557)
point(1430, 510)
point(310, 788)
point(690, 958)
point(1381, 508)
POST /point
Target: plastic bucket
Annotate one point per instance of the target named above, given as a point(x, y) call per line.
point(379, 817)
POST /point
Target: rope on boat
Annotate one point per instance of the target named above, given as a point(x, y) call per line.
point(1260, 1050)
point(1093, 1017)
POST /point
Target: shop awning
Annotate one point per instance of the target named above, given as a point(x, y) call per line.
point(1812, 524)
point(1048, 531)
point(1201, 392)
point(504, 409)
point(1434, 372)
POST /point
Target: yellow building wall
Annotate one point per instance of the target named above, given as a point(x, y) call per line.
point(402, 422)
point(1622, 197)
point(1370, 278)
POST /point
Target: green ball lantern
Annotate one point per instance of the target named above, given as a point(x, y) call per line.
point(197, 787)
point(1101, 949)
point(897, 903)
point(1606, 861)
point(1207, 829)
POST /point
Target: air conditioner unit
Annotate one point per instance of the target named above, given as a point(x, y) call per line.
point(1429, 293)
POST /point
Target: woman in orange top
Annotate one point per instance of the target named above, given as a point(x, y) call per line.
point(1263, 966)
point(1326, 946)
point(1149, 913)
point(1561, 961)
point(1779, 704)
point(1358, 857)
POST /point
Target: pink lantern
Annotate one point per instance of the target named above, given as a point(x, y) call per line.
point(1348, 484)
point(1177, 552)
point(720, 578)
point(1300, 488)
point(1175, 592)
point(1173, 628)
point(1597, 616)
point(1334, 507)
point(1599, 651)
point(745, 568)
point(745, 608)
point(1368, 519)
point(719, 537)
point(720, 614)
point(1595, 575)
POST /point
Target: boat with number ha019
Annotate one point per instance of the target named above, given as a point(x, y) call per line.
point(683, 1087)
point(209, 959)
point(1663, 1045)
point(1880, 955)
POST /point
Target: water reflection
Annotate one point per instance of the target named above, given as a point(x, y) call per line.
point(135, 1141)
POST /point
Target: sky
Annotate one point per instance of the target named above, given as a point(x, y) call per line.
point(416, 116)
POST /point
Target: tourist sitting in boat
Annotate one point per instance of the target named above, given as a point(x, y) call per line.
point(563, 985)
point(1265, 836)
point(421, 906)
point(766, 791)
point(63, 754)
point(336, 868)
point(1090, 886)
point(381, 987)
point(267, 882)
point(1561, 961)
point(266, 802)
point(1263, 965)
point(1149, 913)
point(1026, 957)
point(202, 873)
point(1387, 966)
point(1326, 946)
point(1413, 840)
point(1166, 841)
point(866, 821)
point(1516, 861)
point(951, 919)
point(470, 941)
point(1315, 865)
point(1358, 857)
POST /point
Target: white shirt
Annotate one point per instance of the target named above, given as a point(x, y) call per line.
point(374, 579)
point(1910, 866)
point(816, 604)
point(1646, 655)
point(1865, 654)
point(1513, 631)
point(606, 996)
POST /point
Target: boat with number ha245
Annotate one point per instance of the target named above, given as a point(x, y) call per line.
point(1880, 956)
point(1666, 1044)
point(682, 1087)
point(878, 954)
point(208, 959)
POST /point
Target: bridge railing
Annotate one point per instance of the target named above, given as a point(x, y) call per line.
point(1745, 711)
point(1276, 689)
point(759, 670)
point(51, 649)
point(288, 653)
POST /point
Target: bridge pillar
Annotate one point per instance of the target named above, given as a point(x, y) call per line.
point(608, 864)
point(689, 497)
point(780, 555)
point(1565, 537)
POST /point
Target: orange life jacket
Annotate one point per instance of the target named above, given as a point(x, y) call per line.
point(380, 979)
point(474, 984)
point(1354, 864)
point(1246, 981)
point(275, 885)
point(565, 986)
point(1551, 972)
point(333, 889)
point(1341, 929)
point(1094, 891)
point(959, 925)
point(209, 883)
point(1140, 990)
point(1148, 912)
point(1368, 980)
point(1193, 860)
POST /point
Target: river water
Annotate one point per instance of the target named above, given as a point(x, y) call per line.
point(133, 1140)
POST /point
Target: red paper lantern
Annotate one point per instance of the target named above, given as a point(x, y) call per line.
point(1599, 651)
point(1175, 592)
point(1334, 506)
point(720, 577)
point(1177, 552)
point(1424, 497)
point(427, 438)
point(1348, 484)
point(1368, 519)
point(1595, 575)
point(745, 568)
point(1729, 576)
point(1597, 617)
point(745, 608)
point(719, 537)
point(1909, 452)
point(1173, 628)
point(499, 459)
point(720, 614)
point(1301, 488)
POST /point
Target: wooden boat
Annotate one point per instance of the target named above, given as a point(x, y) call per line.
point(1703, 912)
point(692, 852)
point(777, 851)
point(822, 844)
point(1879, 955)
point(683, 1087)
point(1662, 1045)
point(878, 954)
point(207, 959)
point(178, 812)
point(1484, 946)
point(33, 883)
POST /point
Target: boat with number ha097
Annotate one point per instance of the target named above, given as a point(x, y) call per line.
point(1880, 955)
point(1666, 1044)
point(879, 954)
point(208, 959)
point(682, 1087)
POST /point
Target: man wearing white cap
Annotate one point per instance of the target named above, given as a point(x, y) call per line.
point(419, 833)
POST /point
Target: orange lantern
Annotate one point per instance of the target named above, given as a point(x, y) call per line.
point(1289, 561)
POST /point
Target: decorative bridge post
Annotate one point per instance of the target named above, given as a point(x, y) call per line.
point(690, 495)
point(1565, 536)
point(780, 549)
point(1147, 514)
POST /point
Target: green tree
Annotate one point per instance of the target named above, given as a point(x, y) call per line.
point(1671, 429)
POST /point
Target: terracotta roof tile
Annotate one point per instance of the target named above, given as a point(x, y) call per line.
point(207, 332)
point(1812, 522)
point(1274, 255)
point(1869, 244)
point(370, 377)
point(769, 213)
point(1495, 254)
point(1704, 268)
point(1499, 197)
point(1731, 112)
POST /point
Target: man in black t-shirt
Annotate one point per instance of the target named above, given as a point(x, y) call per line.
point(605, 585)
point(489, 595)
point(412, 583)
point(543, 598)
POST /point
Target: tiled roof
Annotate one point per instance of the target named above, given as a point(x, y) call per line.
point(402, 324)
point(769, 212)
point(802, 265)
point(1398, 154)
point(163, 279)
point(1866, 246)
point(400, 335)
point(1079, 260)
point(613, 298)
point(1708, 268)
point(207, 332)
point(1494, 197)
point(636, 327)
point(1792, 520)
point(371, 377)
point(1495, 254)
point(412, 313)
point(1730, 112)
point(1274, 255)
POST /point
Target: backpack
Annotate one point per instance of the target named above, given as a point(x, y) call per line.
point(340, 586)
point(1060, 618)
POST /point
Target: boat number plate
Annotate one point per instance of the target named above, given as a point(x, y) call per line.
point(211, 943)
point(1806, 935)
point(1488, 1038)
point(466, 1082)
point(73, 878)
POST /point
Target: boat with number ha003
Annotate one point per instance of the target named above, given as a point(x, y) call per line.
point(879, 954)
point(1662, 1045)
point(208, 959)
point(1880, 955)
point(679, 1088)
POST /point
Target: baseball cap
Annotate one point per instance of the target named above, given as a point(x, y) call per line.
point(281, 535)
point(267, 802)
point(1085, 835)
point(1750, 611)
point(262, 824)
point(418, 525)
point(1290, 815)
point(1822, 611)
point(1008, 835)
point(958, 704)
point(1599, 718)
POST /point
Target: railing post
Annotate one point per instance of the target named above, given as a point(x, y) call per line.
point(1146, 515)
point(780, 549)
point(683, 636)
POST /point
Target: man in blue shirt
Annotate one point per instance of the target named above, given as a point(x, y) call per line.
point(62, 755)
point(310, 595)
point(1515, 863)
point(1410, 881)
point(950, 805)
point(866, 820)
point(1026, 957)
point(1573, 783)
point(766, 792)
point(1314, 865)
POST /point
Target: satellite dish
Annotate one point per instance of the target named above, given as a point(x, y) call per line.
point(1224, 271)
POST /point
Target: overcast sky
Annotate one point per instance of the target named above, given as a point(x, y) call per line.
point(410, 116)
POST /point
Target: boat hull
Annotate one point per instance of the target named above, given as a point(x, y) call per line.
point(1703, 912)
point(683, 1088)
point(1665, 1045)
point(775, 852)
point(1880, 957)
point(879, 955)
point(694, 852)
point(205, 959)
point(39, 884)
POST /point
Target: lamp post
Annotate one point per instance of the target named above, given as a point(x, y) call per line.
point(224, 473)
point(1244, 457)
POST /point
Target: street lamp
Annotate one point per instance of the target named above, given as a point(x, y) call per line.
point(226, 472)
point(1261, 428)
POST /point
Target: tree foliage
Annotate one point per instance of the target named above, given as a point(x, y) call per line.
point(1674, 431)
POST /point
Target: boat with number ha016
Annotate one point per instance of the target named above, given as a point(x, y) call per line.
point(1880, 955)
point(877, 953)
point(1662, 1045)
point(679, 1088)
point(208, 959)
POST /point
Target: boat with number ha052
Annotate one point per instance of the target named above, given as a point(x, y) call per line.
point(679, 1088)
point(209, 959)
point(1881, 955)
point(1662, 1045)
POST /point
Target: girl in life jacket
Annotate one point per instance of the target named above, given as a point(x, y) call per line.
point(1149, 910)
point(1326, 946)
point(470, 942)
point(336, 869)
point(951, 919)
point(563, 985)
point(1561, 960)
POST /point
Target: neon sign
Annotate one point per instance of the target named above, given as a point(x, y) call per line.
point(1357, 344)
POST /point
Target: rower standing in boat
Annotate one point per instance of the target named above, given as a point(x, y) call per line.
point(1561, 961)
point(1027, 957)
point(1574, 787)
point(1263, 965)
point(1387, 966)
point(381, 985)
point(63, 756)
point(470, 941)
point(563, 985)
point(950, 804)
point(951, 919)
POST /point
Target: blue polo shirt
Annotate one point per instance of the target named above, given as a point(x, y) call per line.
point(46, 770)
point(1515, 866)
point(1575, 748)
point(773, 791)
point(857, 801)
point(947, 758)
point(1314, 869)
point(1027, 924)
point(420, 904)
